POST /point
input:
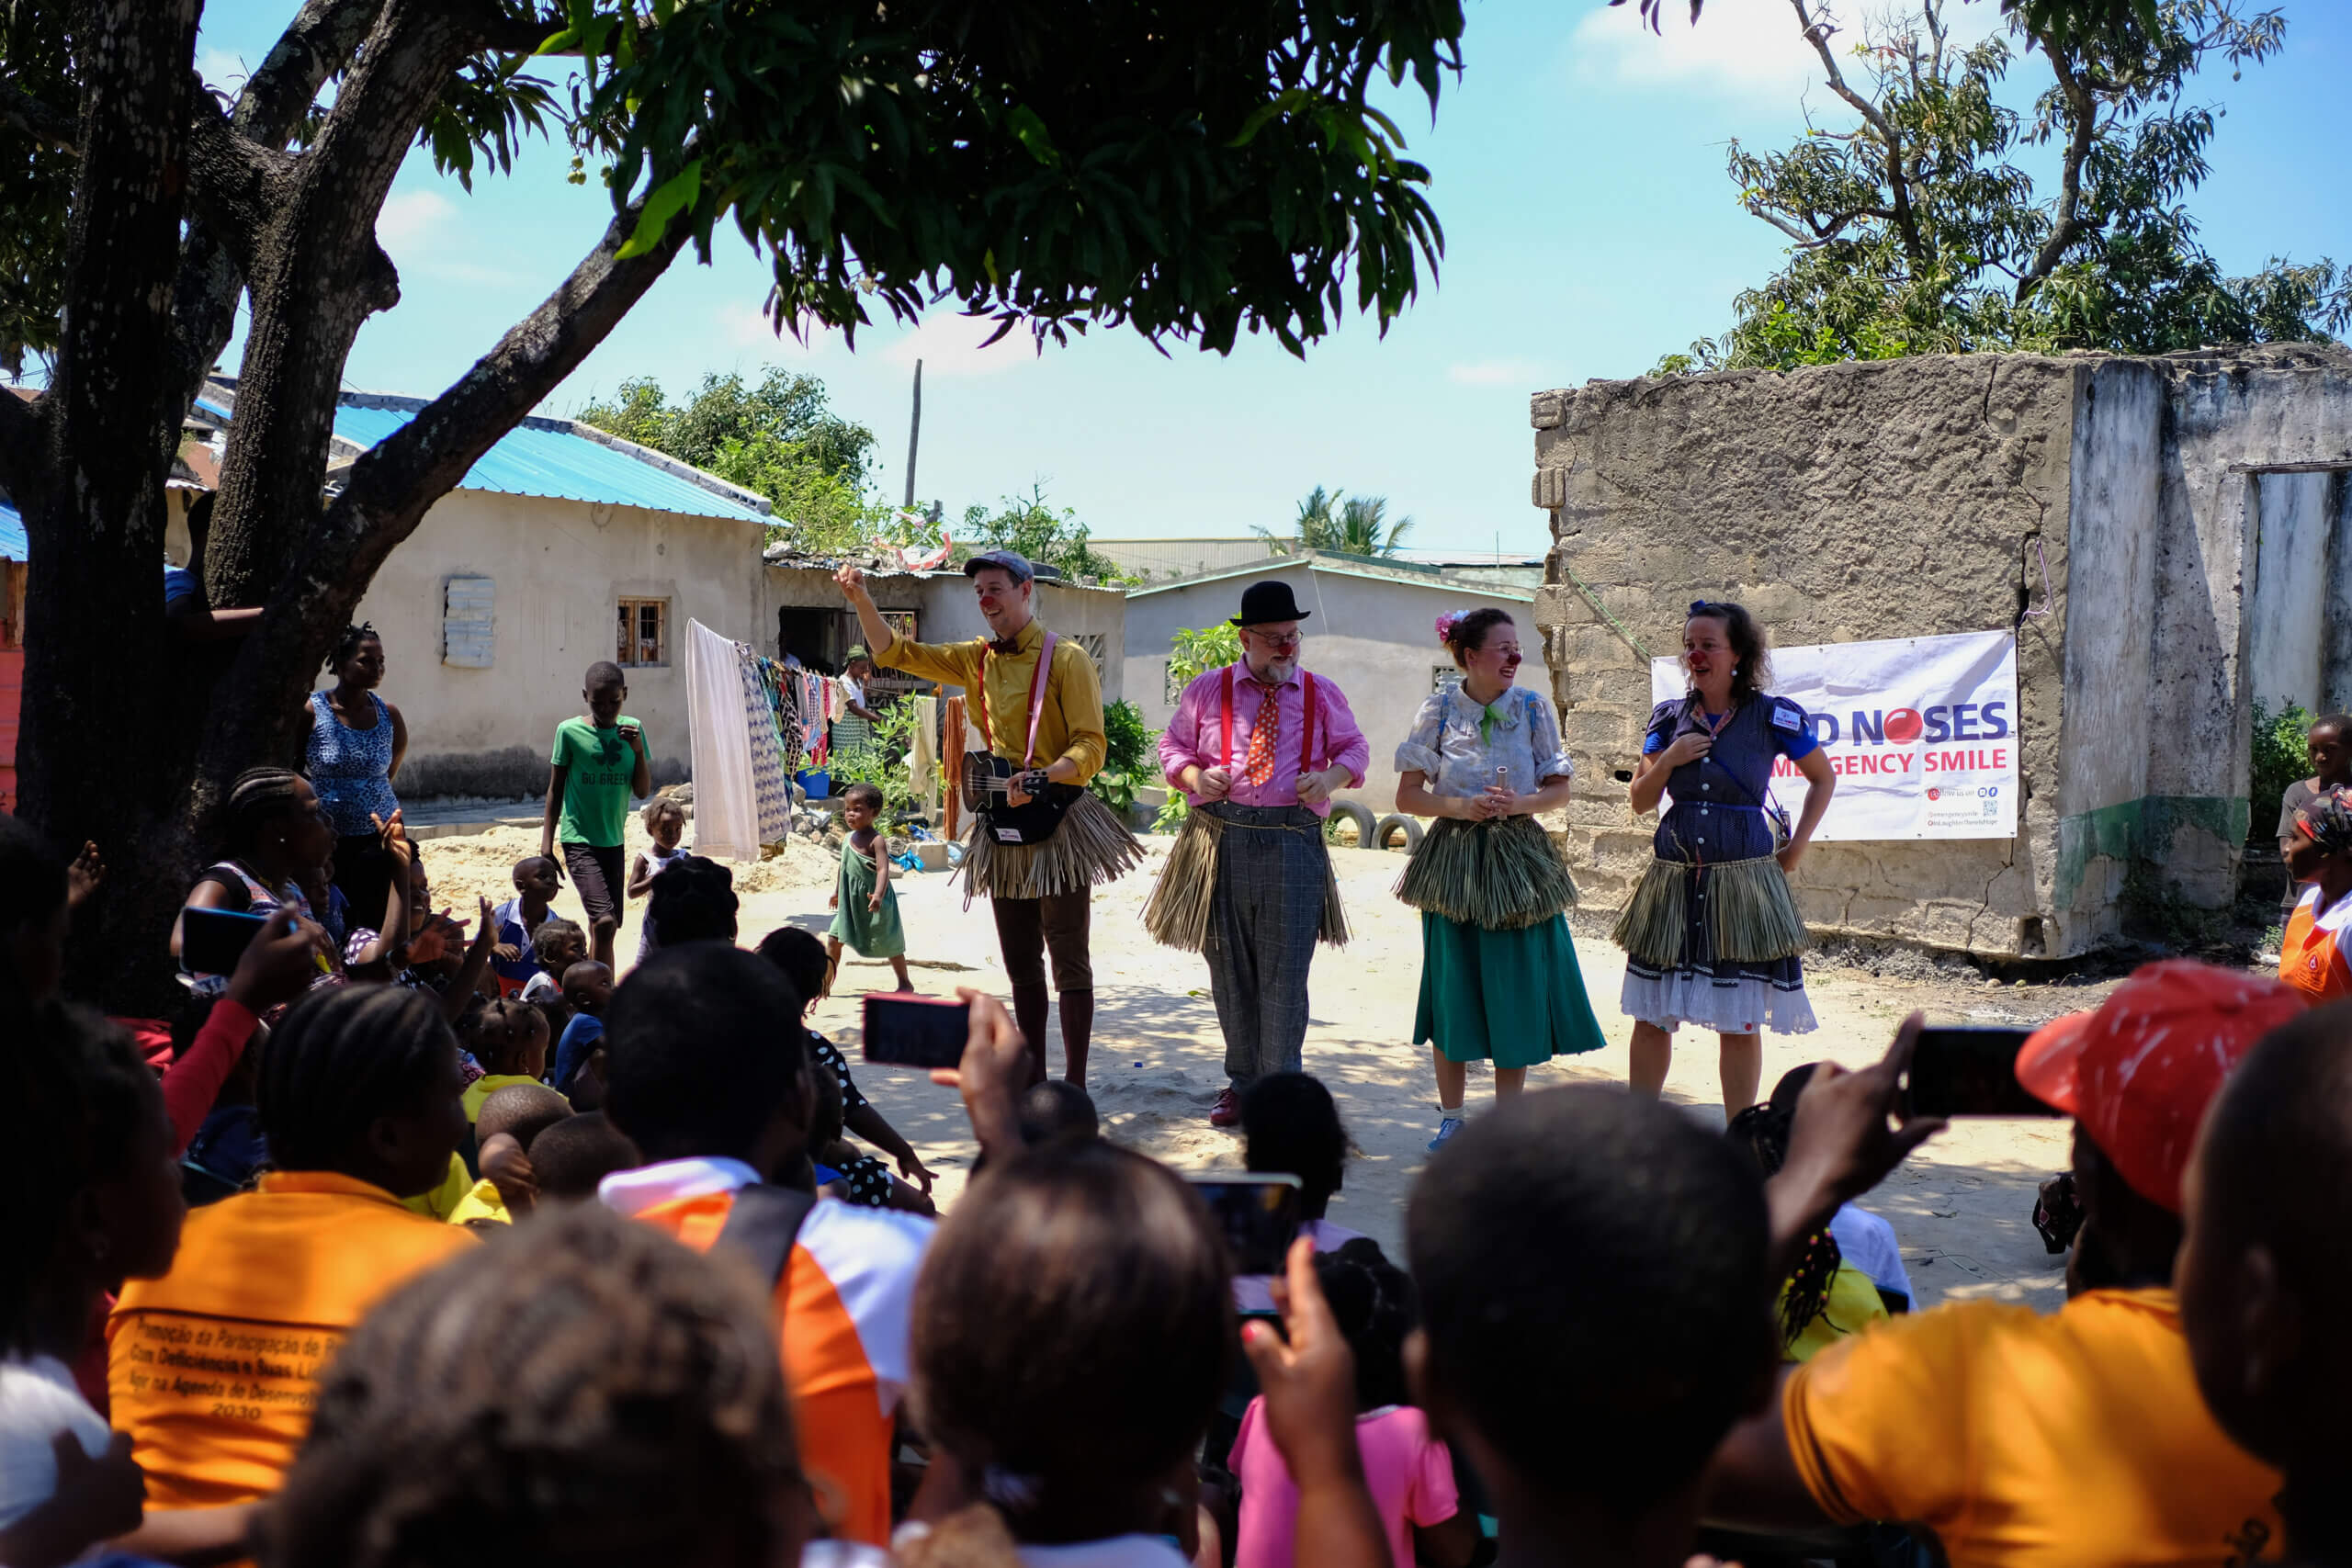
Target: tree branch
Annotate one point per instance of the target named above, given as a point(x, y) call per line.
point(236, 186)
point(2067, 224)
point(502, 32)
point(319, 42)
point(21, 428)
point(1906, 222)
point(35, 118)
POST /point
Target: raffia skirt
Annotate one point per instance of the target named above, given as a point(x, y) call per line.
point(1715, 945)
point(1177, 914)
point(1090, 846)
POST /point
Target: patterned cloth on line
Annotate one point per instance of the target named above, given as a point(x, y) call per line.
point(772, 800)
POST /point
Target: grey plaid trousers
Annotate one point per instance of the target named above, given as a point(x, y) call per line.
point(1271, 871)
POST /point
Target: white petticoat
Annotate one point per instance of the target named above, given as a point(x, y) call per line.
point(1726, 1006)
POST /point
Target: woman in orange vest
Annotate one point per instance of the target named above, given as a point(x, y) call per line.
point(213, 1368)
point(2312, 958)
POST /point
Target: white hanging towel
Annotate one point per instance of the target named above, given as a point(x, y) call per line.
point(725, 824)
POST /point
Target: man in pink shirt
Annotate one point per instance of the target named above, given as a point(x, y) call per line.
point(1258, 746)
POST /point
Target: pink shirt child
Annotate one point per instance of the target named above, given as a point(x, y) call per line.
point(1195, 736)
point(1411, 1474)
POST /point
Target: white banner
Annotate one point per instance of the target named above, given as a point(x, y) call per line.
point(1921, 732)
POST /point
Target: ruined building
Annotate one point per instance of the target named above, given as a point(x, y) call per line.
point(2170, 538)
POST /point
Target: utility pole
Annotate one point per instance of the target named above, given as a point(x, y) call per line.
point(915, 434)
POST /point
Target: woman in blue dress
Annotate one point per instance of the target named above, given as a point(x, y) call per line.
point(1712, 932)
point(353, 743)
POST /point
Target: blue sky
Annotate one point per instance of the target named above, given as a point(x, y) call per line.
point(1578, 172)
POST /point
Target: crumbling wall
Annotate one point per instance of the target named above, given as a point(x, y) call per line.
point(1896, 498)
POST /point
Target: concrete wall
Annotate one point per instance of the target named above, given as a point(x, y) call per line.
point(559, 566)
point(1373, 637)
point(2165, 533)
point(1845, 502)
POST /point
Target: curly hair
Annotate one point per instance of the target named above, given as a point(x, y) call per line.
point(348, 643)
point(1753, 673)
point(581, 1391)
point(1763, 1131)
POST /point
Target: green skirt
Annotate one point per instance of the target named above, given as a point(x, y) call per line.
point(1514, 997)
point(874, 933)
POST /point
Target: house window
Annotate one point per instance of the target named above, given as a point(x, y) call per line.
point(644, 632)
point(469, 622)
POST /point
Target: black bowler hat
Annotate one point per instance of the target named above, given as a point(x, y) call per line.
point(1263, 604)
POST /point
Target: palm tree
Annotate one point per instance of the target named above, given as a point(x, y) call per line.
point(1333, 520)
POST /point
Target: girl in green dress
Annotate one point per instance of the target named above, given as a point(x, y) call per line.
point(865, 907)
point(1499, 980)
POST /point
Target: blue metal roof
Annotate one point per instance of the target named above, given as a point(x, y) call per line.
point(537, 459)
point(13, 544)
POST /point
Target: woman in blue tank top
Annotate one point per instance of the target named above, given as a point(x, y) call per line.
point(354, 743)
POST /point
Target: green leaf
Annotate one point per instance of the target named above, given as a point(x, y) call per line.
point(672, 195)
point(1030, 131)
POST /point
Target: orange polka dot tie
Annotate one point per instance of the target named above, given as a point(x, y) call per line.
point(1258, 762)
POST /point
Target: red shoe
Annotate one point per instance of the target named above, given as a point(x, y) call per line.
point(1227, 1112)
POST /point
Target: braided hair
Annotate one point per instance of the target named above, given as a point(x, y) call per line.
point(1372, 1300)
point(259, 796)
point(579, 1391)
point(348, 643)
point(72, 1094)
point(1763, 1131)
point(345, 1056)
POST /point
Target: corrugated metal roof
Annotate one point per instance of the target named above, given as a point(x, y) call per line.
point(13, 544)
point(542, 458)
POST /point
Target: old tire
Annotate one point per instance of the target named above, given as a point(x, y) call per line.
point(1351, 812)
point(1393, 824)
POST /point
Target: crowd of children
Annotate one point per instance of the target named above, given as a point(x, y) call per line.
point(405, 1247)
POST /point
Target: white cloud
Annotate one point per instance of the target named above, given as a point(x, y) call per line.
point(412, 219)
point(746, 325)
point(953, 344)
point(221, 68)
point(1749, 47)
point(1494, 373)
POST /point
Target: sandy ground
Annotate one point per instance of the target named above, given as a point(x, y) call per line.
point(1961, 1207)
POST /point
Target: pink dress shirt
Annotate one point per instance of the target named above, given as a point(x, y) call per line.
point(1196, 733)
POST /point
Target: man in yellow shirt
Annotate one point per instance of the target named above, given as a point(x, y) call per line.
point(1039, 845)
point(2071, 1440)
point(2263, 1274)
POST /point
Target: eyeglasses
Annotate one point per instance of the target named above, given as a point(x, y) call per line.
point(1277, 642)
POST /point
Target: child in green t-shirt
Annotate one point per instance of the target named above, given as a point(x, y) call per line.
point(599, 763)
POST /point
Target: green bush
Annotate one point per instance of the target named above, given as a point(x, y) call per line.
point(1130, 760)
point(881, 762)
point(1194, 650)
point(2279, 758)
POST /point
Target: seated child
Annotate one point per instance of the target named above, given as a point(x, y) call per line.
point(1584, 1357)
point(515, 960)
point(1409, 1473)
point(1058, 1110)
point(1825, 1297)
point(665, 819)
point(1289, 1125)
point(229, 1146)
point(510, 1041)
point(842, 1171)
point(572, 1156)
point(511, 1120)
point(1864, 1240)
point(692, 899)
point(557, 944)
point(801, 959)
point(864, 906)
point(578, 1393)
point(587, 990)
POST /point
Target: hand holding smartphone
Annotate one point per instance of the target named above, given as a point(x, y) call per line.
point(904, 1030)
point(1257, 1215)
point(1970, 1072)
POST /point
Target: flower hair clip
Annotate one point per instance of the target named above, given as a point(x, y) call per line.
point(1447, 622)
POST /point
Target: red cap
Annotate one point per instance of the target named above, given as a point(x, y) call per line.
point(2139, 1071)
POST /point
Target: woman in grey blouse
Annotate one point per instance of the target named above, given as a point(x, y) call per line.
point(1499, 980)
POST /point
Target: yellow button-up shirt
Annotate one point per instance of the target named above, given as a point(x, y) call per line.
point(1072, 724)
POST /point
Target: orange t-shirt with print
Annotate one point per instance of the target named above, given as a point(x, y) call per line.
point(2069, 1439)
point(2312, 958)
point(845, 1307)
point(213, 1369)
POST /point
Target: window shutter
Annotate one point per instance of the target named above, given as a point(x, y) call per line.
point(469, 622)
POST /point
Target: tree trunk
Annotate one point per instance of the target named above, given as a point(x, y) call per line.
point(101, 752)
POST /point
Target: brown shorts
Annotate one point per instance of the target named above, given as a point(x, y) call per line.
point(596, 874)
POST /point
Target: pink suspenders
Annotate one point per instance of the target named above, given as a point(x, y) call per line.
point(1305, 729)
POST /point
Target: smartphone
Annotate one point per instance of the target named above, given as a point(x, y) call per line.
point(211, 940)
point(1970, 1072)
point(1257, 1214)
point(915, 1032)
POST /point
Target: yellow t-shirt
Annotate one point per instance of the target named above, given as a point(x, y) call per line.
point(2075, 1440)
point(443, 1200)
point(482, 1087)
point(481, 1202)
point(212, 1368)
point(1854, 1304)
point(1072, 724)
